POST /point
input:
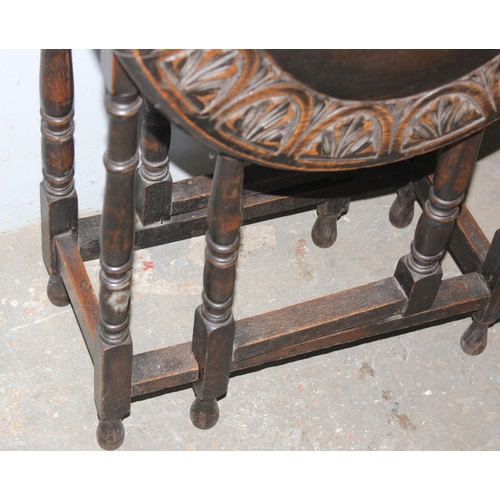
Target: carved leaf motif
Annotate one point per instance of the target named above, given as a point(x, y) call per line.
point(211, 84)
point(265, 76)
point(267, 123)
point(442, 117)
point(357, 136)
point(485, 78)
point(204, 77)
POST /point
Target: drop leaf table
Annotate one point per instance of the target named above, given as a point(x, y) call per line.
point(294, 130)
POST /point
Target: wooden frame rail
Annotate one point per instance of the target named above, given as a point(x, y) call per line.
point(340, 318)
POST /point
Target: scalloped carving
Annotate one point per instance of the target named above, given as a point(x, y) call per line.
point(485, 78)
point(204, 77)
point(441, 117)
point(243, 103)
point(356, 136)
point(266, 123)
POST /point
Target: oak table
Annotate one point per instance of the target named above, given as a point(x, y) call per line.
point(330, 124)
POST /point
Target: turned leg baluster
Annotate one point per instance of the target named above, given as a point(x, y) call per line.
point(58, 199)
point(213, 332)
point(419, 273)
point(153, 180)
point(113, 367)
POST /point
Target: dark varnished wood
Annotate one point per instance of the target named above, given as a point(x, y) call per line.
point(58, 199)
point(154, 371)
point(374, 75)
point(403, 207)
point(303, 322)
point(204, 413)
point(242, 103)
point(475, 338)
point(110, 434)
point(468, 244)
point(153, 184)
point(266, 196)
point(170, 366)
point(419, 272)
point(491, 273)
point(192, 194)
point(460, 295)
point(79, 286)
point(113, 364)
point(324, 231)
point(213, 331)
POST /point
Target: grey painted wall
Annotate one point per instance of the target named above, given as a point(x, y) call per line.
point(20, 162)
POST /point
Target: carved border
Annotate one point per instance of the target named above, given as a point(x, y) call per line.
point(241, 102)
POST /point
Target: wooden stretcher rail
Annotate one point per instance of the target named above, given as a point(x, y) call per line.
point(174, 366)
point(79, 287)
point(192, 195)
point(316, 318)
point(164, 368)
point(458, 295)
point(337, 319)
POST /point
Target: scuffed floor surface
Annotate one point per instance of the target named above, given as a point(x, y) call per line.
point(416, 391)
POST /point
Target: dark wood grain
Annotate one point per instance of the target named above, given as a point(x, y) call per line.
point(324, 230)
point(153, 182)
point(79, 287)
point(419, 272)
point(297, 194)
point(164, 368)
point(374, 75)
point(403, 207)
point(113, 363)
point(456, 296)
point(491, 273)
point(242, 103)
point(475, 338)
point(468, 244)
point(302, 322)
point(213, 331)
point(323, 111)
point(58, 199)
point(172, 366)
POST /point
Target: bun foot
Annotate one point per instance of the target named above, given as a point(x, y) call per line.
point(110, 434)
point(403, 208)
point(204, 414)
point(56, 291)
point(324, 231)
point(475, 338)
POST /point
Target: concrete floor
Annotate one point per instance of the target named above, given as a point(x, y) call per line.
point(416, 391)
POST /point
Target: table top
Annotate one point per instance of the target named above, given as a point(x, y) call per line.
point(321, 109)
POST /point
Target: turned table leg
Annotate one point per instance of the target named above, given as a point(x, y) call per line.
point(213, 332)
point(113, 360)
point(153, 186)
point(419, 273)
point(58, 199)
